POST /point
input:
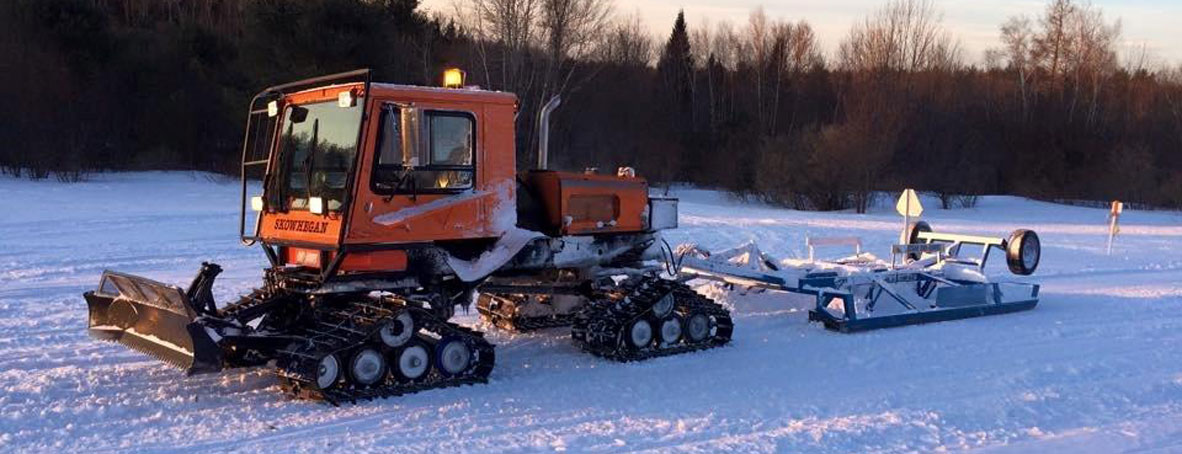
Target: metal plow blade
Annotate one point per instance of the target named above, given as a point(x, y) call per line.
point(153, 318)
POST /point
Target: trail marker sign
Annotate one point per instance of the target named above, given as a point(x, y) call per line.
point(908, 204)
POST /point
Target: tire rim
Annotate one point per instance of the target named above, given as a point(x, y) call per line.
point(413, 362)
point(641, 334)
point(368, 366)
point(671, 330)
point(328, 371)
point(454, 357)
point(698, 327)
point(1030, 252)
point(664, 306)
point(395, 333)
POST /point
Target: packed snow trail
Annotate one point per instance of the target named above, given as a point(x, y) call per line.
point(1094, 368)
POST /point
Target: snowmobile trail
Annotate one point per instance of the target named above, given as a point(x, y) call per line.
point(1092, 369)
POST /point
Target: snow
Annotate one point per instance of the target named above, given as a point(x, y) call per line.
point(507, 246)
point(1094, 368)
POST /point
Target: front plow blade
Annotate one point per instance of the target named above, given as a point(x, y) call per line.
point(153, 318)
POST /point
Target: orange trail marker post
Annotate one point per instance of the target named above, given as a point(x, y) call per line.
point(1114, 222)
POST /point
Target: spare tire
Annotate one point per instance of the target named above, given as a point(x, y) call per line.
point(913, 232)
point(1023, 252)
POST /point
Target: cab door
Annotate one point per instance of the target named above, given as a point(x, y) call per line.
point(423, 181)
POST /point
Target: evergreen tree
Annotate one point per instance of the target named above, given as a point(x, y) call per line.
point(676, 68)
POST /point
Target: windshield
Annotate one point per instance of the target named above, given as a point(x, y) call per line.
point(317, 147)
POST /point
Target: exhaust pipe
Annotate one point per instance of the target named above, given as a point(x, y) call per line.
point(544, 131)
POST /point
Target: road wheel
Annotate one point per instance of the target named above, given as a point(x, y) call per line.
point(412, 362)
point(328, 371)
point(640, 334)
point(367, 367)
point(1023, 252)
point(913, 232)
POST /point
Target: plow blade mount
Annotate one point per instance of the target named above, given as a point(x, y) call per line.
point(153, 318)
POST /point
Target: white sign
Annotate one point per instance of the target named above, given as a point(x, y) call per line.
point(908, 204)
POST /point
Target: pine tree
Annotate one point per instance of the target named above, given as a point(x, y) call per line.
point(676, 71)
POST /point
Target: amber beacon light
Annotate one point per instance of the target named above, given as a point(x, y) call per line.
point(453, 78)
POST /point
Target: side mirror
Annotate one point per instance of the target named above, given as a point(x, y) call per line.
point(298, 114)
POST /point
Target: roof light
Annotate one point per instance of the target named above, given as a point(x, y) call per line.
point(273, 108)
point(345, 98)
point(453, 78)
point(256, 203)
point(316, 205)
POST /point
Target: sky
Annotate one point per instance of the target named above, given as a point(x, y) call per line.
point(1152, 24)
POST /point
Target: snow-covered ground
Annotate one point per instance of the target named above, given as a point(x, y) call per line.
point(1096, 367)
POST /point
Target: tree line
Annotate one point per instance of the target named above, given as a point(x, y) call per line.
point(1055, 110)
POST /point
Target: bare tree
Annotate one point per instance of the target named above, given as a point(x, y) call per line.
point(1093, 58)
point(571, 29)
point(1018, 40)
point(1053, 44)
point(503, 31)
point(905, 35)
point(627, 43)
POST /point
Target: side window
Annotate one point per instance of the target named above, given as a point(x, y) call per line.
point(444, 161)
point(451, 139)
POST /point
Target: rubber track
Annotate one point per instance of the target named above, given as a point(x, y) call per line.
point(297, 368)
point(599, 327)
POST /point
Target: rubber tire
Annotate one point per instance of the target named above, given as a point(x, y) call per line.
point(913, 232)
point(437, 358)
point(1018, 240)
point(353, 366)
point(687, 330)
point(407, 331)
point(336, 375)
point(395, 366)
point(676, 321)
point(630, 338)
point(669, 299)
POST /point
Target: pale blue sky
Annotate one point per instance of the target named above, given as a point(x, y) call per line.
point(1156, 24)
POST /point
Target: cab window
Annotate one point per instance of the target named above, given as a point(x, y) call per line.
point(442, 161)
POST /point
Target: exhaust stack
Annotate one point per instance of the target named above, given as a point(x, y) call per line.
point(544, 131)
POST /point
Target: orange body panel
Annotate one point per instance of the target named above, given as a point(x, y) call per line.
point(301, 226)
point(580, 204)
point(471, 214)
point(390, 260)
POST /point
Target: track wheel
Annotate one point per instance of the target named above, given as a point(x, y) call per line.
point(453, 356)
point(397, 331)
point(367, 367)
point(664, 306)
point(412, 362)
point(328, 371)
point(697, 328)
point(640, 334)
point(671, 330)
